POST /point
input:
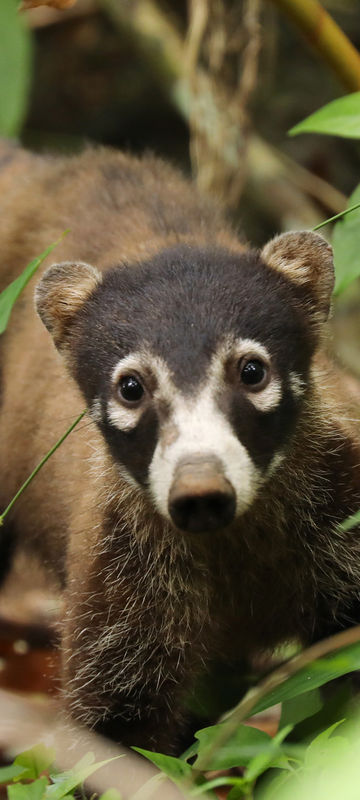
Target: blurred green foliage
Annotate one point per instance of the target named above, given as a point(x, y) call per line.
point(33, 776)
point(341, 117)
point(15, 68)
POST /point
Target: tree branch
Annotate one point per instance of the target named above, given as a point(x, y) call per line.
point(326, 38)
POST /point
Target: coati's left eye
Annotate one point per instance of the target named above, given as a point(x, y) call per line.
point(253, 372)
point(130, 389)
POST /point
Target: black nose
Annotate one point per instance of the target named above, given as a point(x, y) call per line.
point(201, 499)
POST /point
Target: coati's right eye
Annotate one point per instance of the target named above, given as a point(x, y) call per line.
point(254, 373)
point(130, 389)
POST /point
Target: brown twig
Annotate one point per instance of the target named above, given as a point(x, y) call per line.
point(326, 38)
point(170, 58)
point(222, 54)
point(59, 4)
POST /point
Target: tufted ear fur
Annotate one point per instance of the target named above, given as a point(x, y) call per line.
point(306, 259)
point(61, 292)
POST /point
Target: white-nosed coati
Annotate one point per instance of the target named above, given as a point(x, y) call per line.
point(195, 513)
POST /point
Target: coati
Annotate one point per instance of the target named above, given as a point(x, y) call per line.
point(195, 513)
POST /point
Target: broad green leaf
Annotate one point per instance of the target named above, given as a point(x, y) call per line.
point(274, 782)
point(336, 776)
point(28, 791)
point(297, 709)
point(65, 783)
point(11, 293)
point(36, 760)
point(174, 768)
point(239, 783)
point(271, 756)
point(339, 705)
point(346, 245)
point(239, 750)
point(110, 794)
point(11, 772)
point(323, 746)
point(311, 677)
point(341, 117)
point(15, 68)
point(238, 792)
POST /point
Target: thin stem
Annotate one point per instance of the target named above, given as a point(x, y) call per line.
point(337, 216)
point(40, 465)
point(243, 710)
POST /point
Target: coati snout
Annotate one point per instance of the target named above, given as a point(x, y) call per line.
point(195, 513)
point(193, 376)
point(201, 499)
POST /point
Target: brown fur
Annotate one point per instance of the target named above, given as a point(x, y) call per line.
point(144, 608)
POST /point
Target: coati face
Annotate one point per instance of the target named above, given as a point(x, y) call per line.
point(194, 365)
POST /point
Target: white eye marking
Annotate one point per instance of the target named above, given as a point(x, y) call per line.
point(95, 410)
point(140, 363)
point(125, 365)
point(121, 417)
point(269, 398)
point(246, 346)
point(297, 385)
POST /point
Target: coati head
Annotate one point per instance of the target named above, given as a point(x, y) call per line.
point(194, 364)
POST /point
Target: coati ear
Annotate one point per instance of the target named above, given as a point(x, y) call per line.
point(306, 259)
point(61, 292)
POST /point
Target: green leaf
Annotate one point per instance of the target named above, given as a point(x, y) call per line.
point(28, 791)
point(174, 768)
point(311, 677)
point(274, 782)
point(297, 709)
point(239, 750)
point(65, 782)
point(238, 792)
point(110, 794)
point(341, 117)
point(346, 245)
point(36, 760)
point(11, 293)
point(15, 68)
point(269, 757)
point(11, 772)
point(323, 748)
point(224, 780)
point(339, 705)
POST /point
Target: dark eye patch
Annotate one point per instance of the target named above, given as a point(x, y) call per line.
point(134, 449)
point(263, 433)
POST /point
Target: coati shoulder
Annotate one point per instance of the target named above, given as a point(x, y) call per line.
point(199, 504)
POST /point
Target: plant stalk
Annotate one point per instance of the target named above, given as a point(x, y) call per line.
point(336, 216)
point(40, 465)
point(326, 38)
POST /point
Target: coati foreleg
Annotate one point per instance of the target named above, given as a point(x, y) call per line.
point(135, 636)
